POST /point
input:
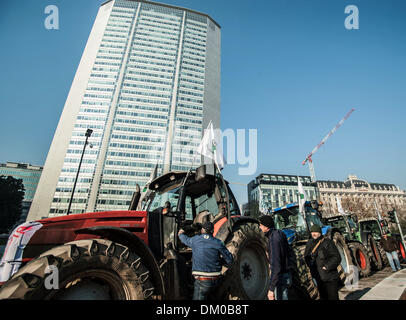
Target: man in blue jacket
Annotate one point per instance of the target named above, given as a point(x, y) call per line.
point(280, 257)
point(209, 254)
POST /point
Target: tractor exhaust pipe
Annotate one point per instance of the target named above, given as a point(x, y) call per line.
point(135, 199)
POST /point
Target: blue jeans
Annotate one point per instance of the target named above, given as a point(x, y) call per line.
point(393, 256)
point(281, 290)
point(202, 288)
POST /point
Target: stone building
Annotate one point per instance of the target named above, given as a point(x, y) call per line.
point(359, 196)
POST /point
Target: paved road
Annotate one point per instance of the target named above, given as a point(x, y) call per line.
point(366, 284)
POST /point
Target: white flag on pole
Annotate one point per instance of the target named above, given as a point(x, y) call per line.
point(302, 196)
point(210, 146)
point(340, 208)
point(377, 211)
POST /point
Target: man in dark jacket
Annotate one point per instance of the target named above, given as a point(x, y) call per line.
point(390, 245)
point(323, 258)
point(209, 254)
point(279, 255)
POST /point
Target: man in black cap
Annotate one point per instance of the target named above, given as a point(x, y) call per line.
point(280, 257)
point(323, 258)
point(209, 254)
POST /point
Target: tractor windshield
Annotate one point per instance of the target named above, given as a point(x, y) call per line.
point(199, 197)
point(161, 198)
point(338, 223)
point(372, 227)
point(313, 217)
point(290, 218)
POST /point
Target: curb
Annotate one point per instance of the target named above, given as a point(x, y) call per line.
point(391, 288)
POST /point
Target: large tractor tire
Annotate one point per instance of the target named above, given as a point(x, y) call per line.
point(346, 261)
point(248, 276)
point(303, 286)
point(86, 270)
point(402, 253)
point(375, 253)
point(361, 259)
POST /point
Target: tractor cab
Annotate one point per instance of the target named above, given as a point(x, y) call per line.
point(294, 224)
point(374, 227)
point(346, 224)
point(185, 200)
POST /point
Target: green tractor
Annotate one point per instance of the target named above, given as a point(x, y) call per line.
point(378, 227)
point(364, 248)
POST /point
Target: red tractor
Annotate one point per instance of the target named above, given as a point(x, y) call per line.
point(137, 254)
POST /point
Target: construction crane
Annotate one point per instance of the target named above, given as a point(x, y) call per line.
point(309, 157)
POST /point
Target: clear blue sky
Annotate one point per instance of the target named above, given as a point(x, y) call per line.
point(289, 69)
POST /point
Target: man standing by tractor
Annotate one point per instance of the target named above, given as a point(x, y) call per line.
point(209, 254)
point(279, 255)
point(390, 245)
point(323, 258)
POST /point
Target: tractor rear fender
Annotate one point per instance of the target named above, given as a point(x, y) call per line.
point(330, 232)
point(222, 229)
point(364, 238)
point(133, 242)
point(354, 241)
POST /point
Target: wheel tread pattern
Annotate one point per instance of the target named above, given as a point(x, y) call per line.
point(28, 282)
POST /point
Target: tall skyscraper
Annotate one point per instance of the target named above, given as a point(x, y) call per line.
point(148, 83)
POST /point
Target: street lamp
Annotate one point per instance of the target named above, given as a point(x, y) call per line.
point(87, 134)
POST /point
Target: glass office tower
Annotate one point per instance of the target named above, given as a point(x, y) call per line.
point(148, 84)
point(271, 191)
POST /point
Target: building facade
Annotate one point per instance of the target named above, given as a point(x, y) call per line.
point(148, 83)
point(270, 191)
point(359, 196)
point(30, 175)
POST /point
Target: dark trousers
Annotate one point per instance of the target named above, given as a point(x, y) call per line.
point(202, 288)
point(281, 289)
point(328, 289)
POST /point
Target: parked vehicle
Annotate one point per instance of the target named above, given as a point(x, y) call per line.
point(377, 228)
point(137, 254)
point(296, 227)
point(365, 252)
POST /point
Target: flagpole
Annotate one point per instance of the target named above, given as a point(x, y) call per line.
point(189, 171)
point(208, 148)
